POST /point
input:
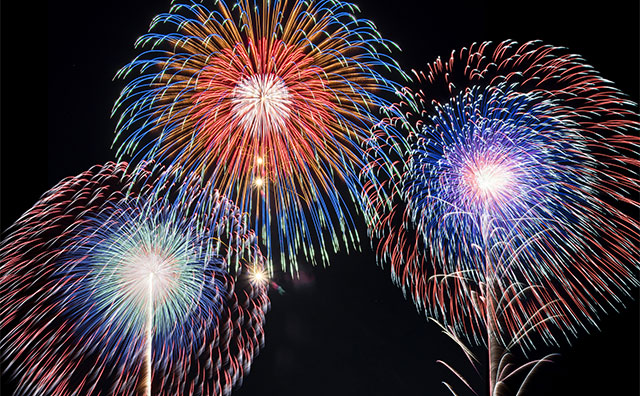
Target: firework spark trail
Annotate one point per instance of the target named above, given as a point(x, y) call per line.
point(272, 102)
point(107, 287)
point(511, 210)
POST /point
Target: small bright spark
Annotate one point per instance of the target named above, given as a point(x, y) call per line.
point(262, 103)
point(258, 276)
point(258, 182)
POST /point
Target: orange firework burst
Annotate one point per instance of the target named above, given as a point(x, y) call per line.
point(271, 103)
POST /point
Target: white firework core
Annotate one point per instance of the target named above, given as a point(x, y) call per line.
point(145, 267)
point(492, 179)
point(489, 181)
point(261, 103)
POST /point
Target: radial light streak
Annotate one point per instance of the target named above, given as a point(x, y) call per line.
point(109, 288)
point(512, 220)
point(272, 103)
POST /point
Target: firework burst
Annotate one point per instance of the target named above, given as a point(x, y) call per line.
point(520, 178)
point(107, 288)
point(271, 102)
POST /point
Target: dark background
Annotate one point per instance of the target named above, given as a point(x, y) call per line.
point(345, 330)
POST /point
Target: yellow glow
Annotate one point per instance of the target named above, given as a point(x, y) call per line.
point(258, 182)
point(259, 161)
point(258, 276)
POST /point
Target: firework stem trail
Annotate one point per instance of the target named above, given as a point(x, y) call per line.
point(149, 338)
point(494, 349)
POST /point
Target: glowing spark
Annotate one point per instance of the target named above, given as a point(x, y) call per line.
point(258, 276)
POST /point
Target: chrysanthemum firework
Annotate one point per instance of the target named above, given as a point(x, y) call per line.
point(520, 188)
point(271, 102)
point(108, 289)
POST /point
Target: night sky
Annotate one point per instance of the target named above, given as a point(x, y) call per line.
point(346, 329)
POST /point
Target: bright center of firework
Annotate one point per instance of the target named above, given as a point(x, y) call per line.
point(262, 103)
point(149, 268)
point(489, 181)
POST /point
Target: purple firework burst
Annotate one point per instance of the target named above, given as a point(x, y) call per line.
point(519, 181)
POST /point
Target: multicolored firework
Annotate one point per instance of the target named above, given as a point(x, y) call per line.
point(521, 185)
point(271, 102)
point(108, 289)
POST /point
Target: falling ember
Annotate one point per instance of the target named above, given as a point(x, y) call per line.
point(258, 182)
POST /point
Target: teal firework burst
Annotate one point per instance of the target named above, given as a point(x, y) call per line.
point(114, 284)
point(143, 266)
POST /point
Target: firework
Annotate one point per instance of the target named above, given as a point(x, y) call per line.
point(107, 288)
point(271, 102)
point(520, 178)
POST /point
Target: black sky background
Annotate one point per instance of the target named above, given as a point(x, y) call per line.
point(346, 330)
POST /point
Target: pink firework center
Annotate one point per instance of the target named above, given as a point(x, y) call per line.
point(488, 182)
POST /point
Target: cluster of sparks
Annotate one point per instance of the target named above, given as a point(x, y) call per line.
point(511, 212)
point(106, 287)
point(272, 103)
